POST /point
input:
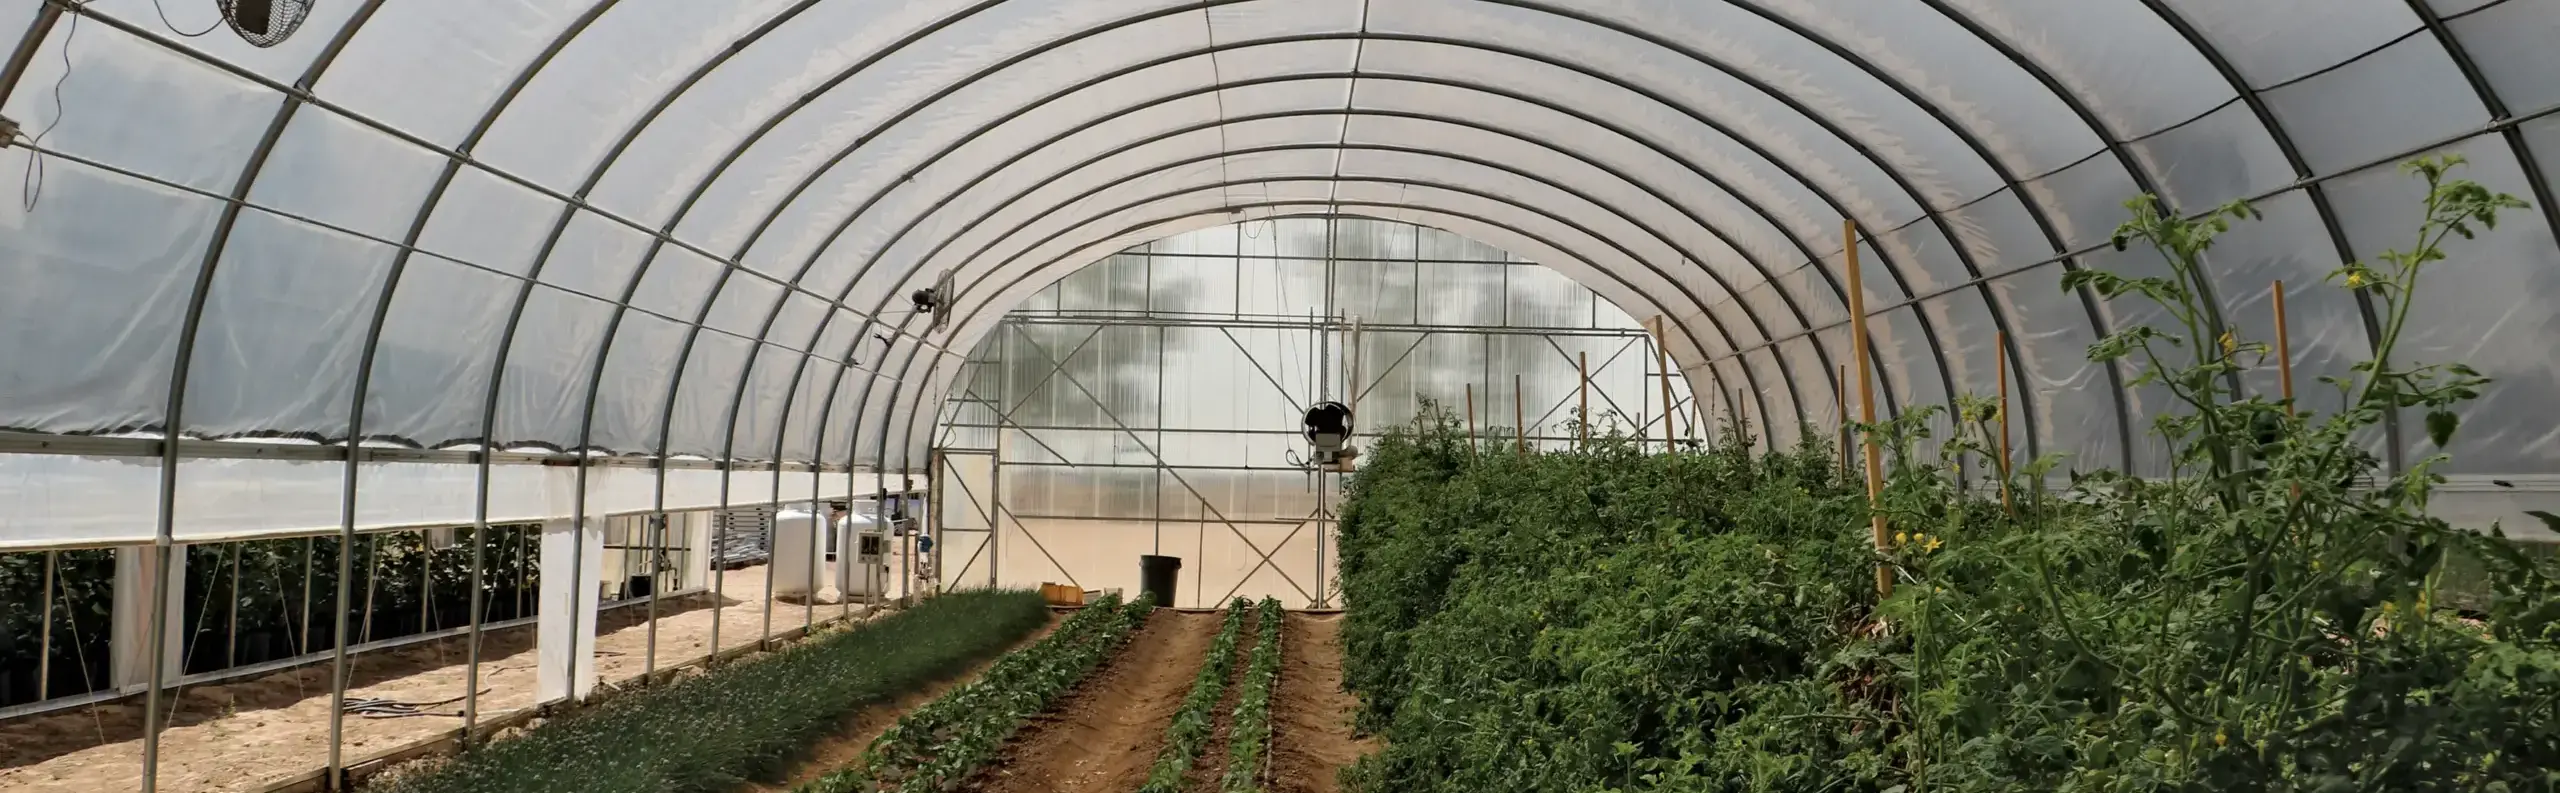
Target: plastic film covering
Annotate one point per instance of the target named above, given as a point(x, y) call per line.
point(660, 228)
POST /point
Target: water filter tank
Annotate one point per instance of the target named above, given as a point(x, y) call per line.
point(795, 549)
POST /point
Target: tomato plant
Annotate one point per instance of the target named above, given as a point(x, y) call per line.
point(2271, 614)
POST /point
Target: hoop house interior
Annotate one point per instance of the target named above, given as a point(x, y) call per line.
point(455, 263)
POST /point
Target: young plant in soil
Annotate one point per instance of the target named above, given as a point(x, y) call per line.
point(1197, 718)
point(935, 747)
point(1249, 740)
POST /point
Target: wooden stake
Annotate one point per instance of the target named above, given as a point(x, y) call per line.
point(1662, 362)
point(1706, 422)
point(1582, 371)
point(1519, 418)
point(1471, 418)
point(1840, 392)
point(1866, 401)
point(2284, 350)
point(2000, 358)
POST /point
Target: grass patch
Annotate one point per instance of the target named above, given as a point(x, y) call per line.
point(746, 721)
point(936, 746)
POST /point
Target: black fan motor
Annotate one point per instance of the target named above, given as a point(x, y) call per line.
point(1327, 426)
point(264, 23)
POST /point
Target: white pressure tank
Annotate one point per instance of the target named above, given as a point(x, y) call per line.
point(795, 549)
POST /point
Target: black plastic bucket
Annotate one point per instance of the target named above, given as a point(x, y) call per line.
point(1157, 576)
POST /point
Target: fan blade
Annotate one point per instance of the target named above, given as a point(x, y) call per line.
point(256, 17)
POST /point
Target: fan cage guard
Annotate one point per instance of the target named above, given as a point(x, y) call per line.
point(282, 18)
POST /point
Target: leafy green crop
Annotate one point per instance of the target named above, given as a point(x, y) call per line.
point(937, 746)
point(1249, 740)
point(2268, 613)
point(1197, 718)
point(747, 720)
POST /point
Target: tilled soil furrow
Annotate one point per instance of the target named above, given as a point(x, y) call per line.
point(1212, 764)
point(1311, 738)
point(1105, 736)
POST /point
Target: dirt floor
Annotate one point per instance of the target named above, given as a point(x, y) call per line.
point(1310, 713)
point(843, 748)
point(1104, 737)
point(1211, 767)
point(248, 735)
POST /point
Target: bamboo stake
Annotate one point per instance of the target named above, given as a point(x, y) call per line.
point(2284, 362)
point(1519, 418)
point(1840, 393)
point(1866, 401)
point(1582, 372)
point(1741, 414)
point(44, 646)
point(2284, 349)
point(1706, 422)
point(1471, 418)
point(1662, 362)
point(2000, 358)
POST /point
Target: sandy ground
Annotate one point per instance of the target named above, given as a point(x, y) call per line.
point(1310, 713)
point(247, 735)
point(1218, 564)
point(843, 748)
point(1104, 737)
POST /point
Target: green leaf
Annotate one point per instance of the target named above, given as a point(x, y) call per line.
point(2440, 426)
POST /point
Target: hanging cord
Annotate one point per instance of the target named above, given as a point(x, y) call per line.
point(31, 184)
point(173, 26)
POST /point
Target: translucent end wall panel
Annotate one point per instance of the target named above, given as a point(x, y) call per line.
point(1098, 388)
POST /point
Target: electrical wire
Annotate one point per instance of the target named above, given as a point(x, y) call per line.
point(31, 185)
point(173, 26)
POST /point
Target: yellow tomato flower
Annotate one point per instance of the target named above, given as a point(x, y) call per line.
point(1901, 537)
point(2355, 280)
point(1933, 544)
point(2221, 739)
point(2230, 343)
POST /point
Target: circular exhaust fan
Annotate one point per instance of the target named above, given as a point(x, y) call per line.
point(264, 23)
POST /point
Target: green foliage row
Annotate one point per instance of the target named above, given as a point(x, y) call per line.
point(1197, 719)
point(282, 594)
point(935, 747)
point(747, 720)
point(1249, 740)
point(2255, 619)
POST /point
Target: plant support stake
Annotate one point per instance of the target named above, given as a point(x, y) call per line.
point(1471, 418)
point(2000, 363)
point(1840, 395)
point(1866, 402)
point(1519, 419)
point(1582, 385)
point(2284, 349)
point(1662, 363)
